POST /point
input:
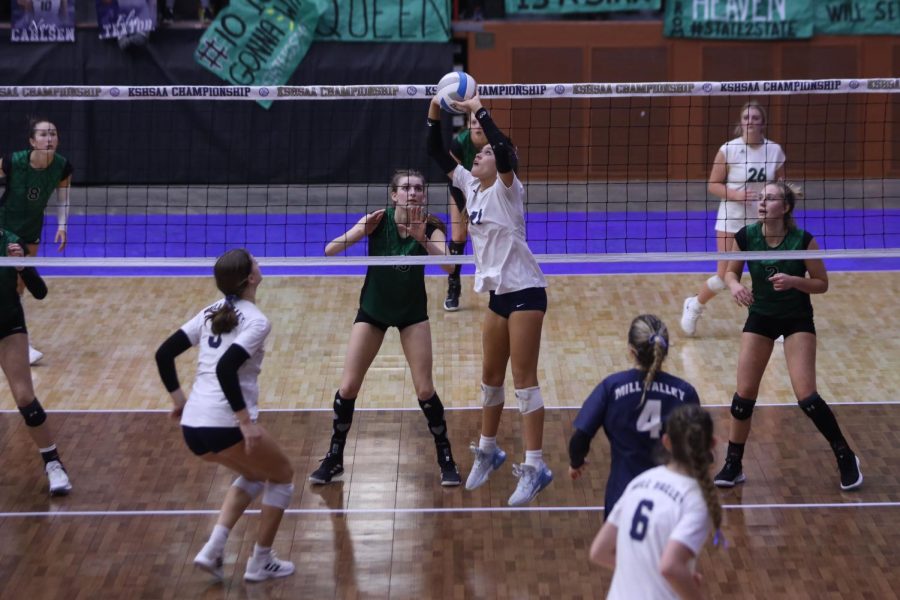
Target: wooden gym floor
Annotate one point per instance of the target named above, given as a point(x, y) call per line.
point(142, 505)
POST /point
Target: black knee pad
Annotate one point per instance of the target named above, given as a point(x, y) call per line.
point(812, 403)
point(33, 414)
point(742, 408)
point(456, 248)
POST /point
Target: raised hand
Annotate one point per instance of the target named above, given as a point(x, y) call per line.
point(372, 220)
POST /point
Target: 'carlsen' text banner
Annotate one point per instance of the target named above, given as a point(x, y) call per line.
point(739, 19)
point(119, 18)
point(259, 42)
point(560, 7)
point(862, 17)
point(43, 21)
point(386, 21)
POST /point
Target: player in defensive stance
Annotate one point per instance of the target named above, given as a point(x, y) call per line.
point(392, 296)
point(218, 420)
point(632, 407)
point(14, 359)
point(658, 527)
point(779, 305)
point(507, 270)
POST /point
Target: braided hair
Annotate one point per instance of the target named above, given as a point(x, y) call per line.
point(648, 337)
point(690, 429)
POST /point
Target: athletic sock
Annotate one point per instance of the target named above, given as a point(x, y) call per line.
point(534, 458)
point(340, 426)
point(735, 452)
point(488, 444)
point(820, 414)
point(50, 454)
point(434, 413)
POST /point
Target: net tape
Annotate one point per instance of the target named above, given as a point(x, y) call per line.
point(412, 91)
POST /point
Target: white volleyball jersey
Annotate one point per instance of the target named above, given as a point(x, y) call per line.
point(503, 261)
point(207, 406)
point(749, 168)
point(659, 505)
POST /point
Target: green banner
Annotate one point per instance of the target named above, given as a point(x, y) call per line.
point(563, 7)
point(863, 17)
point(385, 21)
point(259, 42)
point(739, 19)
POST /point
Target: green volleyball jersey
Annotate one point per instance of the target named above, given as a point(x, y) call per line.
point(9, 277)
point(395, 295)
point(27, 192)
point(464, 149)
point(766, 301)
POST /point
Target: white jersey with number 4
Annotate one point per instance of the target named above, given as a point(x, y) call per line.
point(659, 505)
point(207, 406)
point(749, 168)
point(503, 261)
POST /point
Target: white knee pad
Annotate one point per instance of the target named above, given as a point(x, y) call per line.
point(529, 399)
point(253, 488)
point(715, 284)
point(278, 494)
point(491, 395)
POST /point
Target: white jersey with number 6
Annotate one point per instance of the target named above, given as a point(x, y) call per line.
point(659, 505)
point(207, 406)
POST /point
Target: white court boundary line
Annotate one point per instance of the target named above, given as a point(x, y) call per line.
point(421, 511)
point(416, 410)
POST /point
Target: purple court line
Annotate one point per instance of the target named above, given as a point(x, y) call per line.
point(298, 235)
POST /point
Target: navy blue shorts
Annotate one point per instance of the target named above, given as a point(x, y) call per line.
point(774, 327)
point(364, 317)
point(12, 322)
point(527, 299)
point(202, 440)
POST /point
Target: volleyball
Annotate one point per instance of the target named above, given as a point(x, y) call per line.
point(454, 87)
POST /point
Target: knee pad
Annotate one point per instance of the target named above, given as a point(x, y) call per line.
point(252, 488)
point(529, 399)
point(715, 284)
point(33, 414)
point(456, 248)
point(491, 395)
point(742, 408)
point(278, 494)
point(812, 403)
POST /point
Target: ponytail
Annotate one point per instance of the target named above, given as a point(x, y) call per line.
point(232, 272)
point(690, 429)
point(648, 336)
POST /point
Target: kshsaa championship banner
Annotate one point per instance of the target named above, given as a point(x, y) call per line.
point(119, 18)
point(43, 21)
point(563, 7)
point(740, 19)
point(252, 42)
point(388, 20)
point(862, 17)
